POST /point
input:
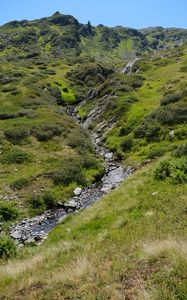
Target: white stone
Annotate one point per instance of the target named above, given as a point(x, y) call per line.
point(77, 191)
point(108, 155)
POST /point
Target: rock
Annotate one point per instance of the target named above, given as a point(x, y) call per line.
point(92, 94)
point(108, 155)
point(71, 205)
point(38, 238)
point(128, 68)
point(172, 134)
point(155, 194)
point(30, 240)
point(77, 191)
point(16, 235)
point(60, 204)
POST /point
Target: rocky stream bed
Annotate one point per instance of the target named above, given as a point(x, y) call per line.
point(37, 228)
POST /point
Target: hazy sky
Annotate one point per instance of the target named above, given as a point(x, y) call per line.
point(131, 13)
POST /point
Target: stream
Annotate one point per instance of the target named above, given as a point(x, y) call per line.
point(37, 228)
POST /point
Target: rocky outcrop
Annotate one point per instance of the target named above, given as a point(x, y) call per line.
point(128, 68)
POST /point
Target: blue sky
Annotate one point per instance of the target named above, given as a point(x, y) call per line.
point(131, 13)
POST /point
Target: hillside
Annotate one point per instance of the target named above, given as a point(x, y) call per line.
point(84, 108)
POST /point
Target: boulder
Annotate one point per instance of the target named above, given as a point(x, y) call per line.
point(77, 191)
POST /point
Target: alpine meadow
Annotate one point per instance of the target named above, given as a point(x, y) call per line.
point(93, 161)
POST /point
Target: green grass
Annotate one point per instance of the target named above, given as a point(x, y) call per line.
point(42, 116)
point(130, 244)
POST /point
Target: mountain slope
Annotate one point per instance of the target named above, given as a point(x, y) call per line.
point(65, 86)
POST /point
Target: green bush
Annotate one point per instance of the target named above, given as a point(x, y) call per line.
point(15, 156)
point(46, 132)
point(36, 201)
point(149, 129)
point(124, 131)
point(8, 211)
point(70, 172)
point(175, 169)
point(49, 199)
point(172, 98)
point(16, 135)
point(56, 93)
point(90, 74)
point(181, 133)
point(127, 145)
point(20, 183)
point(179, 176)
point(80, 140)
point(163, 170)
point(170, 115)
point(155, 153)
point(89, 162)
point(180, 151)
point(7, 246)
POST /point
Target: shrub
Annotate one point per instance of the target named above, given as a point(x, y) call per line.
point(170, 99)
point(163, 170)
point(124, 131)
point(65, 90)
point(7, 246)
point(46, 132)
point(90, 73)
point(126, 145)
point(170, 115)
point(36, 201)
point(8, 211)
point(181, 133)
point(89, 162)
point(183, 69)
point(56, 93)
point(19, 183)
point(179, 176)
point(15, 156)
point(155, 153)
point(137, 83)
point(176, 169)
point(180, 151)
point(80, 140)
point(69, 173)
point(149, 129)
point(153, 132)
point(16, 135)
point(49, 199)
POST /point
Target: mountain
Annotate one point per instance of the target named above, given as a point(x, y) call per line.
point(84, 108)
point(62, 35)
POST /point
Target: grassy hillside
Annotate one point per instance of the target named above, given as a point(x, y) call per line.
point(39, 143)
point(132, 243)
point(143, 108)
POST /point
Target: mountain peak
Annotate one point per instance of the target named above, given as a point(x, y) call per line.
point(56, 14)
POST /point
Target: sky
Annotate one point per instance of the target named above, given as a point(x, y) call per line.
point(129, 13)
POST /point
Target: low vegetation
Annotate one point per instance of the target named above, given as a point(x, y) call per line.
point(131, 245)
